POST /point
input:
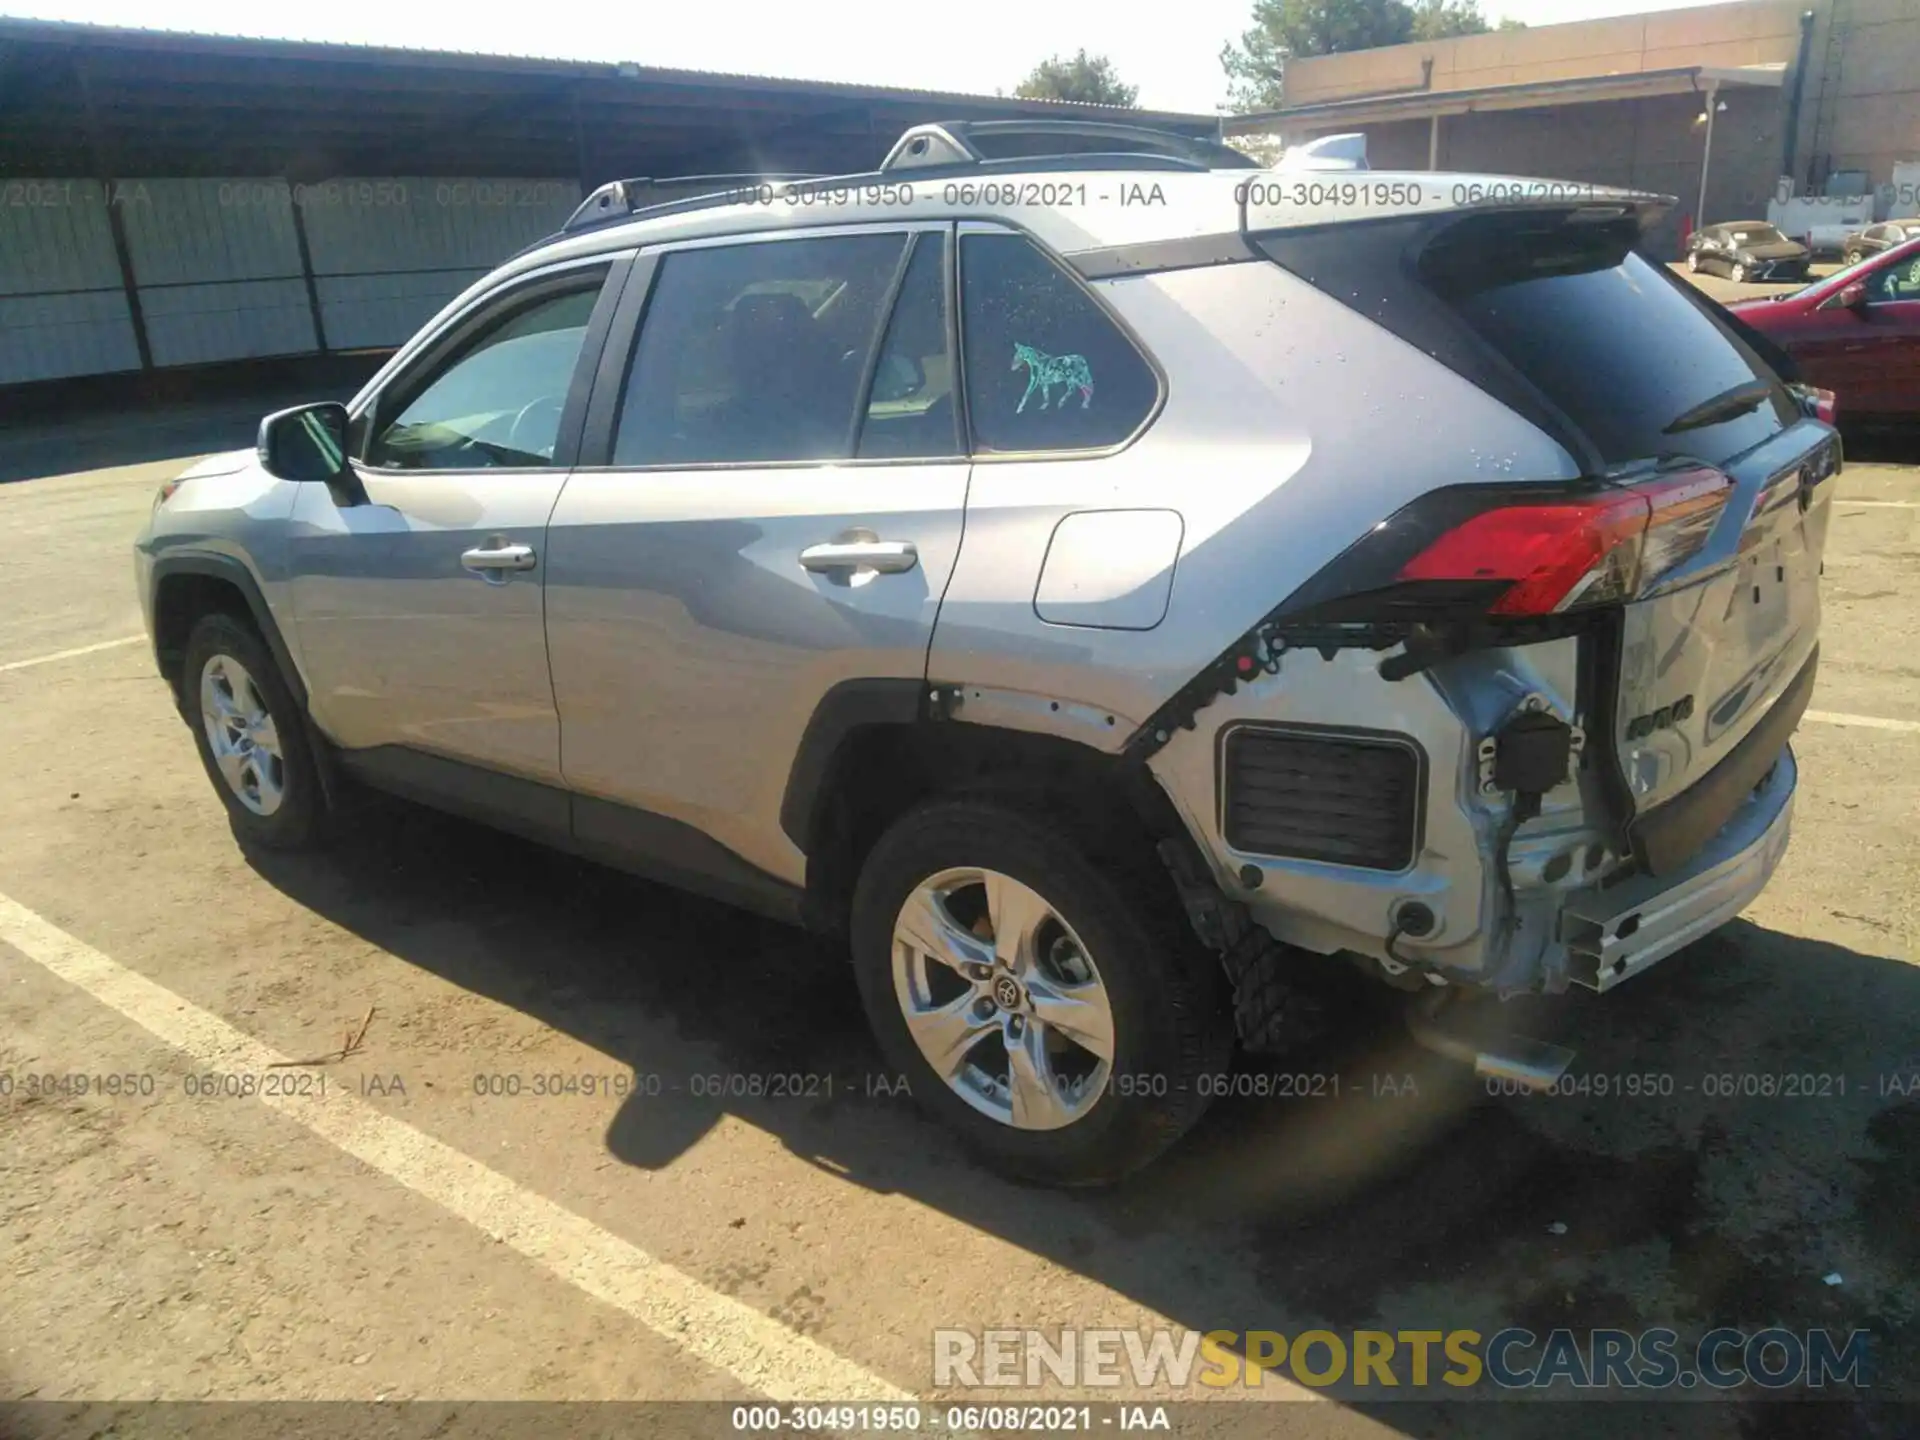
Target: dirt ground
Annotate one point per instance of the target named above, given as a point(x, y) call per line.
point(163, 1243)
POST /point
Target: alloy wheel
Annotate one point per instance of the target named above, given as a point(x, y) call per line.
point(242, 735)
point(1003, 999)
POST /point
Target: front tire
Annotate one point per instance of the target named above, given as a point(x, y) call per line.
point(1737, 272)
point(251, 735)
point(1853, 257)
point(1042, 992)
point(1693, 262)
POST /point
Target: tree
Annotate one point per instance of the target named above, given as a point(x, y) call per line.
point(1086, 78)
point(1264, 149)
point(1283, 29)
point(1444, 19)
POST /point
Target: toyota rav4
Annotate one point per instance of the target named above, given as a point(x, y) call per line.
point(1097, 588)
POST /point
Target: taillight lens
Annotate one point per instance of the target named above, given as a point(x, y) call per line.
point(1570, 553)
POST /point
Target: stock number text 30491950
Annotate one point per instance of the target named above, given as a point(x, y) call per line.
point(1330, 194)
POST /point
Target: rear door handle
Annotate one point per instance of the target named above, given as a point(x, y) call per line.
point(502, 557)
point(889, 557)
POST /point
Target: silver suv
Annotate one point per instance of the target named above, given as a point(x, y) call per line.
point(1102, 582)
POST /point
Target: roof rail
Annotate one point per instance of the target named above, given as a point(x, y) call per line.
point(952, 146)
point(1329, 152)
point(951, 143)
point(621, 199)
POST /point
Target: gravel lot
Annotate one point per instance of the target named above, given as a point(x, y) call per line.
point(173, 1245)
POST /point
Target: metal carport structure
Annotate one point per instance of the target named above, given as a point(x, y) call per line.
point(171, 199)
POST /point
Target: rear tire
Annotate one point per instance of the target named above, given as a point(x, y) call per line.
point(251, 735)
point(941, 871)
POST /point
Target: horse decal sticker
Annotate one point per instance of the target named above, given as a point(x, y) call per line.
point(1045, 371)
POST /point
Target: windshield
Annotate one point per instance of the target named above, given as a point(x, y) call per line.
point(1758, 235)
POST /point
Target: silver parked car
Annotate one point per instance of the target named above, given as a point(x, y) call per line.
point(1107, 584)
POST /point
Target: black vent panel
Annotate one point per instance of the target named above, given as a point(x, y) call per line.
point(1334, 796)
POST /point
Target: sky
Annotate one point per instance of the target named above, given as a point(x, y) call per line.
point(1172, 52)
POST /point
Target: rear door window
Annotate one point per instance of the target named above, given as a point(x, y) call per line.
point(757, 353)
point(910, 406)
point(1047, 369)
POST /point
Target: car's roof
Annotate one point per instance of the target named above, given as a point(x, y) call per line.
point(1075, 211)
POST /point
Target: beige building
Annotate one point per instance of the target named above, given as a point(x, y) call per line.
point(1824, 91)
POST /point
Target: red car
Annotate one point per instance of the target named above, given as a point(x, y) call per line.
point(1856, 333)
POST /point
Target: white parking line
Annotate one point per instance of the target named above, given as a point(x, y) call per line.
point(1883, 504)
point(753, 1348)
point(71, 654)
point(1867, 722)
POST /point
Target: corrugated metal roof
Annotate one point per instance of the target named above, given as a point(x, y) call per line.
point(67, 32)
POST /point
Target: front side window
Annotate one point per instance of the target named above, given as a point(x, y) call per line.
point(1046, 367)
point(498, 401)
point(1900, 281)
point(756, 353)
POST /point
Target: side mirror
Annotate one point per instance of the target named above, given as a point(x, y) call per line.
point(309, 442)
point(1852, 297)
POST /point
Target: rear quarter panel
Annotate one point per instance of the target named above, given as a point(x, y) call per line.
point(1291, 426)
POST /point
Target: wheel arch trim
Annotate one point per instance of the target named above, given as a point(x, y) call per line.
point(233, 572)
point(846, 707)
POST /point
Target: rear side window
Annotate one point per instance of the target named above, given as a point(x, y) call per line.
point(1047, 368)
point(1602, 334)
point(757, 352)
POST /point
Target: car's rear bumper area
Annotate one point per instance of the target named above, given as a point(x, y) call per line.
point(1613, 932)
point(1667, 839)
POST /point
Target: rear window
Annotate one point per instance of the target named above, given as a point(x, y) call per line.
point(1601, 333)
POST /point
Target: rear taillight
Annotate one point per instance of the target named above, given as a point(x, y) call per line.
point(1560, 556)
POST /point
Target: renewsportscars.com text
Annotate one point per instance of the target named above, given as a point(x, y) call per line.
point(1381, 1360)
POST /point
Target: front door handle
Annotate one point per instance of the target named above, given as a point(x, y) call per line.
point(487, 559)
point(888, 557)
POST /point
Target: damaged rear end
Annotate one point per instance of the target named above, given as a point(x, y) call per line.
point(1569, 698)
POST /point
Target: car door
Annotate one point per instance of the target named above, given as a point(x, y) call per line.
point(420, 612)
point(767, 511)
point(1891, 353)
